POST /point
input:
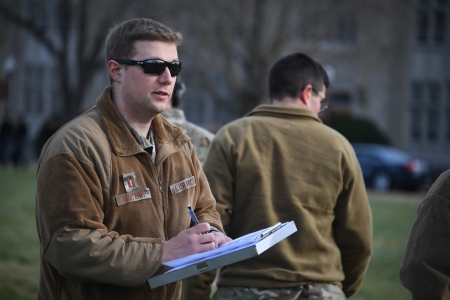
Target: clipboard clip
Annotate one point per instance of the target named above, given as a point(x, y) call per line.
point(270, 231)
point(202, 267)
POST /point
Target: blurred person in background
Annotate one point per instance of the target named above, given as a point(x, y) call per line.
point(6, 132)
point(200, 137)
point(425, 270)
point(280, 163)
point(114, 184)
point(47, 129)
point(20, 143)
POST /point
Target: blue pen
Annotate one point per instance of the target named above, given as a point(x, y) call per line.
point(192, 214)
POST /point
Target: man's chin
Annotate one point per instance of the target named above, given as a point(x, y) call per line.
point(160, 107)
point(163, 109)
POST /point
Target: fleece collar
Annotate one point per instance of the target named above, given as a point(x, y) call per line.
point(283, 112)
point(168, 138)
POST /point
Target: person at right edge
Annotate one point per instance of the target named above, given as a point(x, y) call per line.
point(425, 270)
point(280, 163)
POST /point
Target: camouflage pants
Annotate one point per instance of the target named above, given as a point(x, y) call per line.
point(305, 292)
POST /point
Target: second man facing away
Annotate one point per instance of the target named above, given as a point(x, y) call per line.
point(281, 163)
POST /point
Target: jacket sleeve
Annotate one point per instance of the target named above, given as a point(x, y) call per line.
point(353, 225)
point(74, 240)
point(425, 270)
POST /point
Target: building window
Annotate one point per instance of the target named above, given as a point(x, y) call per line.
point(427, 111)
point(440, 27)
point(422, 27)
point(433, 111)
point(418, 95)
point(432, 22)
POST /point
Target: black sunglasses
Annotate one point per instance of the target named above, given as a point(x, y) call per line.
point(155, 66)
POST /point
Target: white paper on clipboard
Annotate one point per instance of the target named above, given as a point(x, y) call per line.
point(236, 250)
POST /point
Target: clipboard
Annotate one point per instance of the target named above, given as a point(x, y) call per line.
point(268, 239)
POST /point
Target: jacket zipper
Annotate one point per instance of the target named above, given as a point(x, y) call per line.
point(160, 186)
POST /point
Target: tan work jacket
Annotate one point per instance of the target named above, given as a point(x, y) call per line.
point(280, 164)
point(104, 210)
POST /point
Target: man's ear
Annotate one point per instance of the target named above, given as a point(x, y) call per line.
point(114, 70)
point(305, 94)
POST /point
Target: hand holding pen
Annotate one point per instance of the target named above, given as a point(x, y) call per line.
point(189, 241)
point(192, 240)
point(213, 229)
point(192, 214)
point(194, 218)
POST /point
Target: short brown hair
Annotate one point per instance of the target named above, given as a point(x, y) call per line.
point(291, 73)
point(119, 43)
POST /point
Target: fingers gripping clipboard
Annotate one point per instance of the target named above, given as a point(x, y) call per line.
point(242, 248)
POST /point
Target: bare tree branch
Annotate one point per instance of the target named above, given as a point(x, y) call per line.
point(76, 44)
point(30, 26)
point(240, 40)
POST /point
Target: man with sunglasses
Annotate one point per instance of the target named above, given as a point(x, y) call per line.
point(114, 184)
point(280, 163)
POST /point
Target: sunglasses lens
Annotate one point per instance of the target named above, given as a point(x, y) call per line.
point(175, 68)
point(155, 67)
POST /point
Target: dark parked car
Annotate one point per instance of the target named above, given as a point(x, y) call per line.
point(385, 167)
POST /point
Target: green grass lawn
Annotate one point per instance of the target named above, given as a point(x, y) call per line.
point(393, 215)
point(19, 247)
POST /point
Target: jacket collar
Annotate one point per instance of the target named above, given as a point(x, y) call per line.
point(168, 138)
point(283, 112)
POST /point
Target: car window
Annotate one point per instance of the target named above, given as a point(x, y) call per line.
point(383, 153)
point(367, 159)
point(393, 154)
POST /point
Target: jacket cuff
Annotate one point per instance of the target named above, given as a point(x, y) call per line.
point(214, 229)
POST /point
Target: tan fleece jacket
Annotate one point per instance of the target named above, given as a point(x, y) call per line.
point(98, 240)
point(279, 164)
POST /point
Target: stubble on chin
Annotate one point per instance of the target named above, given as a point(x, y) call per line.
point(150, 109)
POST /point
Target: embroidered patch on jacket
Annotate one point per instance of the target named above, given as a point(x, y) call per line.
point(130, 182)
point(133, 196)
point(182, 185)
